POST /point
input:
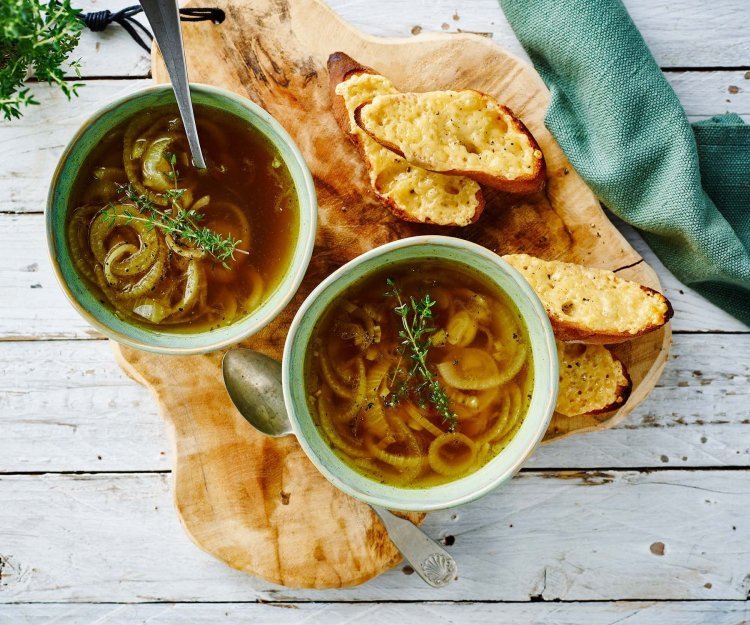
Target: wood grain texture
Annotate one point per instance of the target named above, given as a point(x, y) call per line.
point(574, 613)
point(34, 308)
point(31, 145)
point(257, 503)
point(252, 501)
point(676, 34)
point(67, 407)
point(565, 535)
point(58, 415)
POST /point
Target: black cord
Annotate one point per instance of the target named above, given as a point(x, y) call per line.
point(97, 21)
point(201, 14)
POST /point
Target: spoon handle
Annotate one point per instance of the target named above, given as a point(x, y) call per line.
point(164, 18)
point(431, 562)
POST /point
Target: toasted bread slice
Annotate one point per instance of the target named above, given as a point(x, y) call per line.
point(410, 192)
point(592, 305)
point(592, 380)
point(457, 132)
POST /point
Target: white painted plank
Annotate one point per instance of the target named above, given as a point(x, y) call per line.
point(698, 414)
point(438, 613)
point(111, 52)
point(704, 94)
point(31, 146)
point(570, 536)
point(68, 407)
point(693, 33)
point(33, 306)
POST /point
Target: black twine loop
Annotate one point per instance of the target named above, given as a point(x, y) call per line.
point(200, 14)
point(97, 21)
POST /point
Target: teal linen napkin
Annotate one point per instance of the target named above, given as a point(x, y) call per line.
point(622, 127)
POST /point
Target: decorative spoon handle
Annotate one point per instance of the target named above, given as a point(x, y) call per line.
point(164, 17)
point(431, 562)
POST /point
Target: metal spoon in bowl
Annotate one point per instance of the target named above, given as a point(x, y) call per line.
point(164, 17)
point(253, 381)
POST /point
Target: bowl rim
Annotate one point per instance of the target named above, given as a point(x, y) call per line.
point(292, 350)
point(302, 252)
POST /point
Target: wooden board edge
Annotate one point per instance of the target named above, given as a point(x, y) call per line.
point(647, 384)
point(651, 378)
point(134, 374)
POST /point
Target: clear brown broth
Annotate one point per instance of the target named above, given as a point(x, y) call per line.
point(476, 316)
point(245, 172)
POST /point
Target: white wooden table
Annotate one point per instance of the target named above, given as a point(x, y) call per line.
point(646, 523)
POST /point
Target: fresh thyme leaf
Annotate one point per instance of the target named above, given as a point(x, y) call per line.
point(173, 174)
point(416, 341)
point(401, 391)
point(173, 195)
point(40, 36)
point(180, 223)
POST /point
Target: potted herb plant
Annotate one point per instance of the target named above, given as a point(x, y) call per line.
point(36, 38)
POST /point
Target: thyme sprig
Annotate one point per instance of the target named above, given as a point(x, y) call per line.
point(181, 223)
point(415, 344)
point(36, 35)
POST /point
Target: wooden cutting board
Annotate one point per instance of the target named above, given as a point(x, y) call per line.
point(257, 503)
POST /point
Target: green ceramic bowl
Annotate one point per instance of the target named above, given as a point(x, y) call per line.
point(163, 340)
point(500, 468)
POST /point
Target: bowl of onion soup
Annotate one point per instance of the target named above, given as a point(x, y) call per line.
point(420, 375)
point(162, 256)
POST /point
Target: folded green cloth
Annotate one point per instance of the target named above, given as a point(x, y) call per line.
point(622, 127)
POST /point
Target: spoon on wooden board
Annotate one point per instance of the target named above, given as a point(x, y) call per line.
point(164, 18)
point(253, 382)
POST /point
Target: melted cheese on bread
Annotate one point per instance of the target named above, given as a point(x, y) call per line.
point(453, 131)
point(585, 303)
point(592, 380)
point(423, 195)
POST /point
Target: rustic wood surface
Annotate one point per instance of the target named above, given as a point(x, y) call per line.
point(69, 417)
point(641, 612)
point(522, 542)
point(257, 503)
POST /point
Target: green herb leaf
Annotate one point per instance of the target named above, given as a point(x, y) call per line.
point(40, 36)
point(414, 317)
point(180, 223)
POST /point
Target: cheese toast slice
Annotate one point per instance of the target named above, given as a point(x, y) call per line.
point(592, 380)
point(410, 192)
point(592, 305)
point(462, 132)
